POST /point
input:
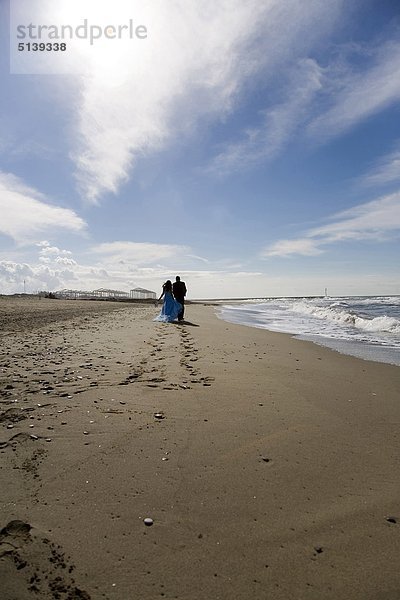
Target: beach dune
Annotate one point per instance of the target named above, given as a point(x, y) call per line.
point(266, 466)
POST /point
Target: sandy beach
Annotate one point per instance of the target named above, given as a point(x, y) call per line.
point(268, 466)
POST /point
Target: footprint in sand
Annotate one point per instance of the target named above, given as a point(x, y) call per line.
point(32, 564)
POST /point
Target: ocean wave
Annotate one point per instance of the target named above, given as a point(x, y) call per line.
point(384, 300)
point(335, 313)
point(367, 327)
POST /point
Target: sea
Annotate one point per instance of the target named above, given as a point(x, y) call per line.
point(364, 326)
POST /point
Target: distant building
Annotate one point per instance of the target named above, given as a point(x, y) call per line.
point(95, 294)
point(142, 294)
point(73, 294)
point(105, 294)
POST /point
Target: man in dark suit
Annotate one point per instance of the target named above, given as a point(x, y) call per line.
point(179, 290)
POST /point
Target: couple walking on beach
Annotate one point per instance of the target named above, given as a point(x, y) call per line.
point(174, 301)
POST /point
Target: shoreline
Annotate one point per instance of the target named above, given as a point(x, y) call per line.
point(270, 469)
point(360, 350)
point(382, 346)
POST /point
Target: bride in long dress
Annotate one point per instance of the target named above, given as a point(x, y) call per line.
point(170, 308)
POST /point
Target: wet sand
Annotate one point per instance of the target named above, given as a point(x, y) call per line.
point(268, 465)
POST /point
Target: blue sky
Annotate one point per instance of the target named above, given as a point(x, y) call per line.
point(253, 148)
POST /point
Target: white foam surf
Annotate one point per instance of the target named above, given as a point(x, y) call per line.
point(336, 322)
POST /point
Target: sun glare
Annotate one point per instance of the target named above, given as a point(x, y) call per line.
point(101, 36)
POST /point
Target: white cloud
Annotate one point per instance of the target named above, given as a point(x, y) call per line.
point(321, 103)
point(279, 122)
point(370, 220)
point(65, 261)
point(387, 170)
point(48, 252)
point(192, 68)
point(355, 96)
point(137, 253)
point(52, 254)
point(134, 103)
point(376, 220)
point(10, 271)
point(201, 284)
point(17, 277)
point(19, 147)
point(301, 246)
point(25, 212)
point(221, 282)
point(199, 258)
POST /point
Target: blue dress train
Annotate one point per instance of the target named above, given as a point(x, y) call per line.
point(170, 309)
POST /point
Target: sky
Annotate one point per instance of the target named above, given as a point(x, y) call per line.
point(251, 147)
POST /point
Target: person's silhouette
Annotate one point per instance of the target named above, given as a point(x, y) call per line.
point(179, 290)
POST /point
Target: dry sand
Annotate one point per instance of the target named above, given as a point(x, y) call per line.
point(269, 465)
